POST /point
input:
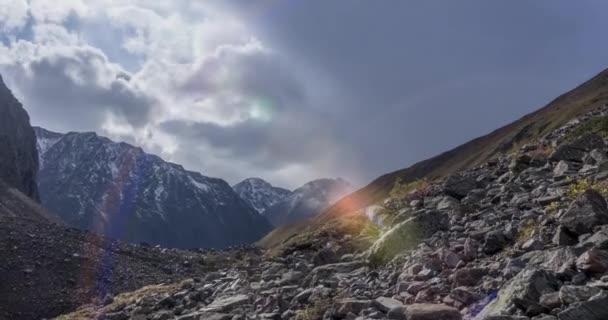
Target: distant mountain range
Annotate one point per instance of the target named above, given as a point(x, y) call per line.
point(120, 191)
point(260, 194)
point(283, 207)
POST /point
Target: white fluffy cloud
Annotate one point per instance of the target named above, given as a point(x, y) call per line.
point(13, 14)
point(183, 79)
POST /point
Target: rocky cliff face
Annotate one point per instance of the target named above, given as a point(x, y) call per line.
point(18, 156)
point(307, 201)
point(120, 191)
point(260, 194)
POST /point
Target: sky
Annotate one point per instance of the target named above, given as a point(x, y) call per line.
point(291, 91)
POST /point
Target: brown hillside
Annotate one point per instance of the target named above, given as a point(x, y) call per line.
point(530, 127)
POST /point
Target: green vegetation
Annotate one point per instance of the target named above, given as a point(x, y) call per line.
point(412, 190)
point(525, 232)
point(597, 125)
point(96, 311)
point(314, 311)
point(552, 207)
point(582, 185)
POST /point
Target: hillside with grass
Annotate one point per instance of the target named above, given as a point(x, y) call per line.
point(529, 128)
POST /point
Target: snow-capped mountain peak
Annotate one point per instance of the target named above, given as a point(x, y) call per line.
point(259, 193)
point(119, 190)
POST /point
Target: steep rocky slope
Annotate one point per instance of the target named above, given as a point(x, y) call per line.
point(18, 156)
point(307, 201)
point(260, 194)
point(533, 126)
point(118, 190)
point(520, 237)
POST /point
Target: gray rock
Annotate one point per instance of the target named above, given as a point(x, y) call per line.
point(495, 241)
point(586, 212)
point(468, 277)
point(431, 312)
point(593, 261)
point(385, 304)
point(550, 300)
point(589, 142)
point(227, 304)
point(346, 306)
point(589, 310)
point(458, 186)
point(563, 237)
point(523, 291)
point(598, 240)
point(571, 294)
point(533, 244)
point(407, 235)
point(397, 313)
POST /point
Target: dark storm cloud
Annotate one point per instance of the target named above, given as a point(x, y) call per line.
point(269, 146)
point(423, 76)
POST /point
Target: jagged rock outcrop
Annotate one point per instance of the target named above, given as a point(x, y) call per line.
point(122, 192)
point(18, 156)
point(260, 194)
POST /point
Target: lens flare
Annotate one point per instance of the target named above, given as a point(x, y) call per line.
point(262, 109)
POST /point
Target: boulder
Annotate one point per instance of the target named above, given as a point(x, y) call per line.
point(563, 237)
point(587, 211)
point(458, 186)
point(385, 304)
point(346, 306)
point(407, 235)
point(523, 291)
point(468, 277)
point(533, 244)
point(589, 310)
point(588, 142)
point(557, 261)
point(598, 240)
point(495, 241)
point(570, 294)
point(576, 150)
point(431, 312)
point(226, 304)
point(593, 261)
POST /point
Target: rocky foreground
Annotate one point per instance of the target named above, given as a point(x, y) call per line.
point(521, 237)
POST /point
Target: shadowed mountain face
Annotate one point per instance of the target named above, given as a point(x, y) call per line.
point(18, 156)
point(260, 194)
point(307, 201)
point(120, 191)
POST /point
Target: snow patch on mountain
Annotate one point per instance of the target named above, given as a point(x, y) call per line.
point(94, 183)
point(260, 194)
point(308, 200)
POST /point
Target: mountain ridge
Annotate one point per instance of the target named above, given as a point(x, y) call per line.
point(259, 193)
point(121, 191)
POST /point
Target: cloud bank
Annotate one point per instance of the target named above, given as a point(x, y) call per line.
point(293, 91)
